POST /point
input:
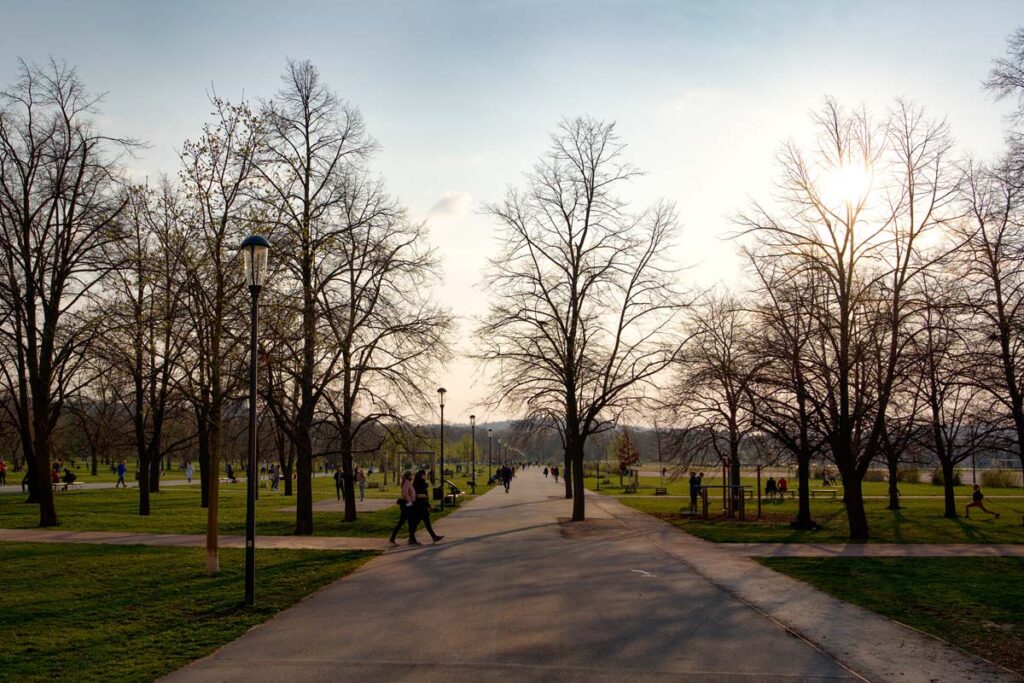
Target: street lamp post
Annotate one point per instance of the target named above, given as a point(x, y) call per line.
point(489, 452)
point(500, 461)
point(440, 399)
point(254, 255)
point(472, 427)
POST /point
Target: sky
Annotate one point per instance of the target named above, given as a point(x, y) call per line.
point(463, 95)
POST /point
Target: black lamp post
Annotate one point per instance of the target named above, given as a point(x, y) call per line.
point(500, 461)
point(489, 451)
point(254, 255)
point(440, 399)
point(472, 427)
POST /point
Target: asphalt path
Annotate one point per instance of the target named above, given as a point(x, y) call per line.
point(514, 593)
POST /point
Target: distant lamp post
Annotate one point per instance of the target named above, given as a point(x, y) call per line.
point(440, 399)
point(254, 255)
point(472, 427)
point(500, 461)
point(489, 452)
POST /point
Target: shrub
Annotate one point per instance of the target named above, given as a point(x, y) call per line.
point(1000, 479)
point(911, 476)
point(939, 480)
point(874, 475)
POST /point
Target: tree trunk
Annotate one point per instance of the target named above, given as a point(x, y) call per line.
point(855, 512)
point(154, 473)
point(803, 518)
point(304, 499)
point(894, 493)
point(566, 471)
point(203, 436)
point(145, 473)
point(213, 488)
point(95, 460)
point(579, 506)
point(347, 470)
point(44, 491)
point(947, 489)
point(288, 467)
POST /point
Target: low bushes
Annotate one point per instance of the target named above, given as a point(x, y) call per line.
point(939, 480)
point(1000, 479)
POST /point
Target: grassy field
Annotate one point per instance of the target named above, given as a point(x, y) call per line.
point(131, 613)
point(919, 521)
point(681, 487)
point(974, 603)
point(175, 510)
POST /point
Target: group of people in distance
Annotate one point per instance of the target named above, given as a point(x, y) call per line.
point(339, 482)
point(553, 470)
point(414, 506)
point(504, 476)
point(774, 488)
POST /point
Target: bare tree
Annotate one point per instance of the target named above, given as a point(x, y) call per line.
point(717, 371)
point(390, 336)
point(855, 212)
point(781, 405)
point(59, 212)
point(583, 303)
point(144, 313)
point(961, 420)
point(313, 151)
point(216, 175)
point(990, 263)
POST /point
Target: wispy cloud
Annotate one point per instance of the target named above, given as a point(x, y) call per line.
point(451, 204)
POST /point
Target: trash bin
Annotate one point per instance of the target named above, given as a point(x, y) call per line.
point(438, 492)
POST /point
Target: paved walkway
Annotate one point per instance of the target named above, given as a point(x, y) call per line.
point(515, 593)
point(192, 540)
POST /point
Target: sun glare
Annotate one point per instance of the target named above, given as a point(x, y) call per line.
point(846, 185)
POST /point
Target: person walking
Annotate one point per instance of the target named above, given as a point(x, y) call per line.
point(554, 473)
point(190, 471)
point(275, 478)
point(122, 469)
point(545, 472)
point(405, 508)
point(339, 482)
point(506, 477)
point(421, 509)
point(976, 502)
point(771, 488)
point(361, 480)
point(231, 473)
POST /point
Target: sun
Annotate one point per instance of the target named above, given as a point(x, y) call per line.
point(847, 184)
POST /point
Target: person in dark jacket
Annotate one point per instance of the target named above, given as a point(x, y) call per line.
point(421, 509)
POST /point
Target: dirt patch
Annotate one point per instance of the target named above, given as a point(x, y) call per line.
point(591, 528)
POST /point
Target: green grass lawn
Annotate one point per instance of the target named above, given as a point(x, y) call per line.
point(132, 613)
point(681, 486)
point(920, 521)
point(175, 510)
point(975, 603)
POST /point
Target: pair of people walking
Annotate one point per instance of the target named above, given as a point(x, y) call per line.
point(415, 507)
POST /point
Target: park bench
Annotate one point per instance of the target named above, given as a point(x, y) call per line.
point(814, 492)
point(73, 486)
point(629, 488)
point(661, 491)
point(375, 485)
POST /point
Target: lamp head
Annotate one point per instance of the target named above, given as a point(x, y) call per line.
point(440, 395)
point(254, 256)
point(472, 420)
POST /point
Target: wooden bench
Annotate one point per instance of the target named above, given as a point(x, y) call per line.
point(814, 492)
point(453, 498)
point(376, 485)
point(661, 491)
point(73, 486)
